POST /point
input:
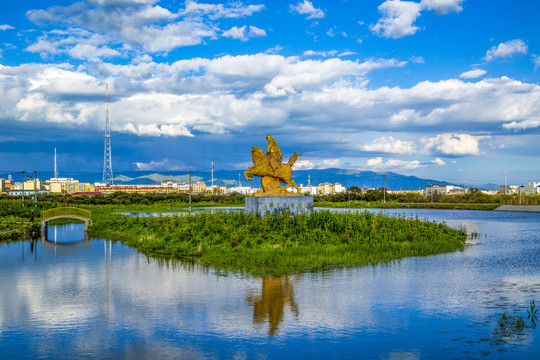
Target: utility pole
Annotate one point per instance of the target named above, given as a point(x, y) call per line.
point(505, 186)
point(384, 187)
point(35, 187)
point(190, 190)
point(22, 186)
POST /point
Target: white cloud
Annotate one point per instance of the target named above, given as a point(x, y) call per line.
point(316, 164)
point(243, 33)
point(320, 53)
point(506, 50)
point(165, 164)
point(389, 145)
point(136, 25)
point(217, 11)
point(378, 164)
point(236, 33)
point(4, 27)
point(91, 52)
point(228, 94)
point(398, 16)
point(453, 144)
point(307, 8)
point(522, 125)
point(404, 116)
point(310, 74)
point(442, 7)
point(417, 59)
point(255, 31)
point(397, 19)
point(333, 32)
point(472, 74)
point(536, 60)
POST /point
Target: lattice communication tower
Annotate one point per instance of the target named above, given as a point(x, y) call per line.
point(107, 161)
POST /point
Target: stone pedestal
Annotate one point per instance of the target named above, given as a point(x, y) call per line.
point(276, 204)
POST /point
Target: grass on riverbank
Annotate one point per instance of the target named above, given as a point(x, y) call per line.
point(280, 244)
point(18, 230)
point(400, 205)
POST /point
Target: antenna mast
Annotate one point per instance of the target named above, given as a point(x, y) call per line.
point(212, 177)
point(55, 169)
point(107, 161)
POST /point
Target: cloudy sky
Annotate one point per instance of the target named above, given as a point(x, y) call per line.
point(445, 89)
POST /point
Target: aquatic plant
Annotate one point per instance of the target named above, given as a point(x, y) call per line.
point(510, 325)
point(532, 313)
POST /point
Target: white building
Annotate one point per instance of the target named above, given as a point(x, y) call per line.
point(531, 188)
point(329, 188)
point(312, 190)
point(438, 189)
point(246, 190)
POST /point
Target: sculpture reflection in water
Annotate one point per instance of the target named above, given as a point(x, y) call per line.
point(276, 294)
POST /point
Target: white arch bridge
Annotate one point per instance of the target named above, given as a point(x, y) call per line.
point(65, 212)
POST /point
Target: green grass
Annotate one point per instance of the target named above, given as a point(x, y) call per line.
point(279, 244)
point(14, 231)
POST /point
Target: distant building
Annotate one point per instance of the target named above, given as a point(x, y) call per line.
point(438, 189)
point(532, 188)
point(457, 191)
point(198, 187)
point(312, 190)
point(68, 186)
point(329, 188)
point(32, 185)
point(419, 192)
point(19, 192)
point(218, 190)
point(510, 189)
point(246, 190)
point(137, 189)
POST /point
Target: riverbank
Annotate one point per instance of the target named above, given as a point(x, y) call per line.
point(519, 208)
point(18, 230)
point(279, 244)
point(400, 205)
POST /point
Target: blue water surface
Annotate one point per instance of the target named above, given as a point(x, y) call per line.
point(72, 297)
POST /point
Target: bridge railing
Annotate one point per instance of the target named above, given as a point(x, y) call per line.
point(65, 211)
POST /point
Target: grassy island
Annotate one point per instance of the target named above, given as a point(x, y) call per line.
point(279, 244)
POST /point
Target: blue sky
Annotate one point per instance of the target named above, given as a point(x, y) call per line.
point(444, 89)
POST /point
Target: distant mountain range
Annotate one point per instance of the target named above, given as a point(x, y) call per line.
point(348, 178)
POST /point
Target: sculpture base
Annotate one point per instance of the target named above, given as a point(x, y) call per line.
point(276, 204)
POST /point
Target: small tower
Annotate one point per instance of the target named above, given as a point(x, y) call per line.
point(212, 177)
point(308, 180)
point(107, 161)
point(55, 169)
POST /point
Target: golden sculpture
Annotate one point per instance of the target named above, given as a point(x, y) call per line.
point(272, 170)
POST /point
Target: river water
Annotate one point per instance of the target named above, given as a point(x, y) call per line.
point(73, 298)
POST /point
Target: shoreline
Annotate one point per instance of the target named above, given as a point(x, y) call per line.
point(519, 208)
